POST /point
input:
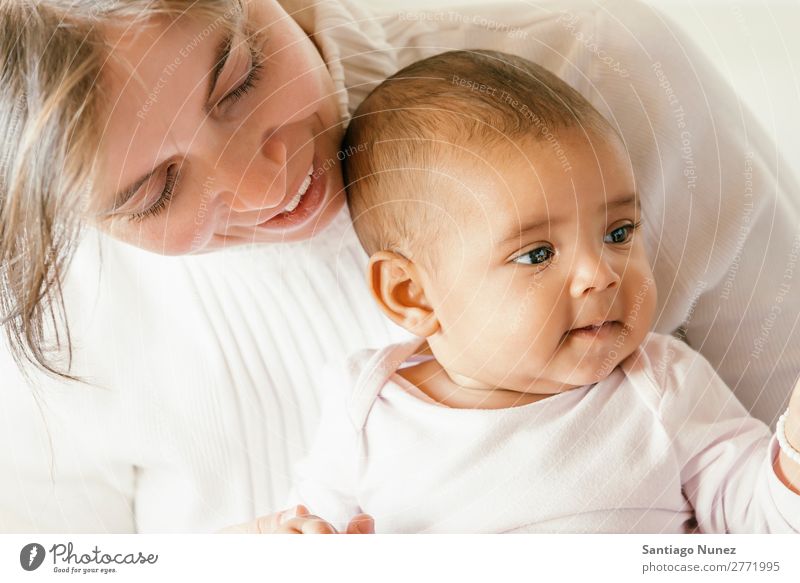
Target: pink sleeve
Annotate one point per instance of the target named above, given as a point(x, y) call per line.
point(725, 455)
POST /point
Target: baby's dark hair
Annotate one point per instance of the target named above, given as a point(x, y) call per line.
point(409, 129)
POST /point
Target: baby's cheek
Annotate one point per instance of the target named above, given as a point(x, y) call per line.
point(650, 304)
point(642, 300)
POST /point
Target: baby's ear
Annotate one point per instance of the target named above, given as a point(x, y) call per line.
point(396, 285)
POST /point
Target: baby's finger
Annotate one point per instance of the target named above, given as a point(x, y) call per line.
point(289, 528)
point(266, 524)
point(308, 524)
point(261, 525)
point(315, 525)
point(299, 510)
point(361, 524)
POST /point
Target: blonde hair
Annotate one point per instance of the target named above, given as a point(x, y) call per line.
point(51, 55)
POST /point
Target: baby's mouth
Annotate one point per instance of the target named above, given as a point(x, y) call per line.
point(594, 326)
point(594, 329)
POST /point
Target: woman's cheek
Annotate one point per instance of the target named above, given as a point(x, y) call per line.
point(180, 233)
point(294, 78)
point(294, 101)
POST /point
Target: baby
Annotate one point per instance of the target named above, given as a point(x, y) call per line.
point(504, 229)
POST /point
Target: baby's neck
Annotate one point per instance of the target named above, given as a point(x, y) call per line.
point(433, 380)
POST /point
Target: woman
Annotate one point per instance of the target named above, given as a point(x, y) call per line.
point(187, 134)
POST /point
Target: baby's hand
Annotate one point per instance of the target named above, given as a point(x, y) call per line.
point(299, 520)
point(787, 470)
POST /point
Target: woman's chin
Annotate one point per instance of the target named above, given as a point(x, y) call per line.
point(319, 223)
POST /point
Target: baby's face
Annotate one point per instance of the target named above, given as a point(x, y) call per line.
point(543, 283)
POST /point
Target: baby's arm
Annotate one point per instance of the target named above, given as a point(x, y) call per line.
point(787, 470)
point(725, 455)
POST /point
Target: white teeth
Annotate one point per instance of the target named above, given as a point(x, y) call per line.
point(299, 196)
point(293, 204)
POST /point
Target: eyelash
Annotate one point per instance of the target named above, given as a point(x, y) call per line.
point(172, 176)
point(631, 226)
point(252, 77)
point(163, 200)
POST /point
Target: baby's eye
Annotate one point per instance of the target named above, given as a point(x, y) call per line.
point(535, 256)
point(621, 234)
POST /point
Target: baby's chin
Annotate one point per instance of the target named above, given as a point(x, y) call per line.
point(591, 373)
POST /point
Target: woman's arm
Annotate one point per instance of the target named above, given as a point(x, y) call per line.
point(724, 209)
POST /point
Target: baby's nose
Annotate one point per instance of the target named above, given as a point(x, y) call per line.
point(593, 273)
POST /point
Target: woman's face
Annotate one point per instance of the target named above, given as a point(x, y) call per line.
point(242, 143)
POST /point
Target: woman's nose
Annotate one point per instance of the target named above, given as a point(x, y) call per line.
point(592, 271)
point(253, 179)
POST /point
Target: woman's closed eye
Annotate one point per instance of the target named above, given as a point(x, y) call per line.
point(232, 97)
point(256, 66)
point(621, 234)
point(171, 179)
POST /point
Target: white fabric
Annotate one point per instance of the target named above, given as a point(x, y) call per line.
point(206, 363)
point(659, 442)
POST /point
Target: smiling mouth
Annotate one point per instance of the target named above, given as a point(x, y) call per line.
point(295, 202)
point(305, 204)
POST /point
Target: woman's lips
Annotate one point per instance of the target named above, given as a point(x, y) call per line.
point(300, 192)
point(308, 205)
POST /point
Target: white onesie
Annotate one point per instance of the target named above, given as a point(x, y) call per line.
point(659, 442)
